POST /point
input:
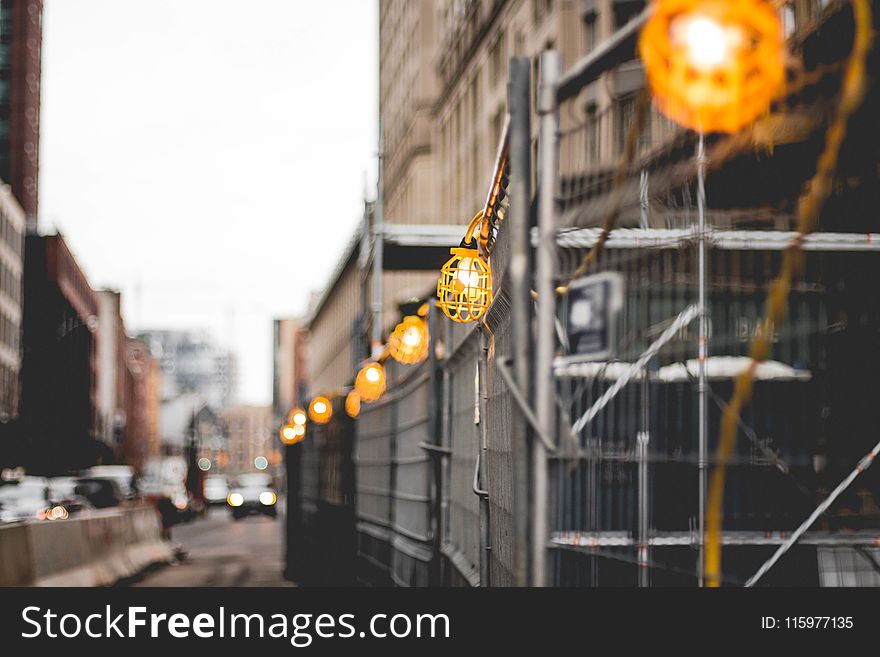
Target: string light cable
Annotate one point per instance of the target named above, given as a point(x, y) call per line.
point(818, 190)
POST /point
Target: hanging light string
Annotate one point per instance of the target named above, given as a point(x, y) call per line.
point(818, 189)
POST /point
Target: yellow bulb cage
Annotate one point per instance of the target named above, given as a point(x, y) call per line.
point(408, 342)
point(320, 410)
point(353, 404)
point(369, 384)
point(464, 290)
point(713, 65)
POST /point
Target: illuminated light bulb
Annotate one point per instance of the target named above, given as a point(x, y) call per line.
point(288, 433)
point(707, 43)
point(320, 410)
point(713, 65)
point(369, 384)
point(299, 430)
point(464, 289)
point(412, 337)
point(467, 278)
point(297, 416)
point(408, 342)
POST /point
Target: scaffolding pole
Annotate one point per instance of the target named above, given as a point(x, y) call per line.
point(519, 102)
point(703, 339)
point(545, 405)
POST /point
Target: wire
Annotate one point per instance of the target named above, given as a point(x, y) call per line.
point(818, 190)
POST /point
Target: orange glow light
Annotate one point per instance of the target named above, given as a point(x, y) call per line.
point(320, 410)
point(408, 343)
point(370, 382)
point(353, 404)
point(297, 416)
point(713, 65)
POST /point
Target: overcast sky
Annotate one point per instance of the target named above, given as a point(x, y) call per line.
point(207, 157)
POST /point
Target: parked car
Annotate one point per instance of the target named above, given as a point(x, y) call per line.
point(26, 499)
point(123, 475)
point(62, 492)
point(101, 492)
point(216, 489)
point(253, 493)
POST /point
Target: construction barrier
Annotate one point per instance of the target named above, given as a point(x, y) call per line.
point(94, 549)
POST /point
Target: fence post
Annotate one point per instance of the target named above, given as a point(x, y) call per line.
point(519, 103)
point(548, 165)
point(435, 432)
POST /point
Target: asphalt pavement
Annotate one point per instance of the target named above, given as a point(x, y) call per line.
point(221, 551)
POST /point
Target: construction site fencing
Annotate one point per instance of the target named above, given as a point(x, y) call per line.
point(447, 474)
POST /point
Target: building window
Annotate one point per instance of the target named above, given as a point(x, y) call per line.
point(589, 31)
point(540, 9)
point(497, 126)
point(787, 18)
point(625, 11)
point(519, 44)
point(626, 114)
point(592, 134)
point(497, 67)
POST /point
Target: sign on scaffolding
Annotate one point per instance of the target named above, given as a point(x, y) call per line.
point(594, 305)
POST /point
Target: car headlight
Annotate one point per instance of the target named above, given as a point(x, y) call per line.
point(56, 513)
point(268, 498)
point(235, 499)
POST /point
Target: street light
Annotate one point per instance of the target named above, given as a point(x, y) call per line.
point(713, 65)
point(369, 383)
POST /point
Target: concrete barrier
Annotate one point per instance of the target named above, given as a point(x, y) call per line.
point(97, 548)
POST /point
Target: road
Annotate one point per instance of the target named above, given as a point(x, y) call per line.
point(224, 552)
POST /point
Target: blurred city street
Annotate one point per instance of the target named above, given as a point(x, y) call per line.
point(220, 551)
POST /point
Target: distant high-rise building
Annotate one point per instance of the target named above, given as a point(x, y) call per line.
point(192, 363)
point(250, 434)
point(12, 227)
point(21, 37)
point(141, 436)
point(289, 387)
point(112, 348)
point(59, 362)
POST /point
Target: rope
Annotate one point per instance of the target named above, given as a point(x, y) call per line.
point(818, 190)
